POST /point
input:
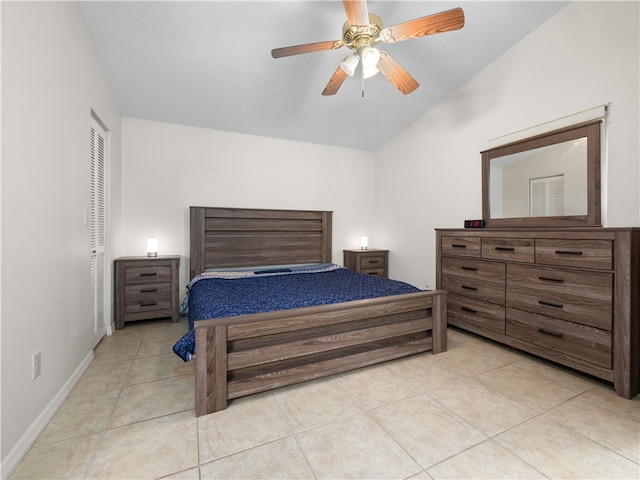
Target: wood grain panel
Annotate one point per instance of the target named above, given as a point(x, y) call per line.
point(580, 341)
point(477, 279)
point(573, 295)
point(322, 341)
point(597, 254)
point(230, 237)
point(461, 246)
point(147, 274)
point(337, 361)
point(465, 312)
point(512, 249)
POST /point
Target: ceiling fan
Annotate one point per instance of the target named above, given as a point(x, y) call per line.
point(362, 32)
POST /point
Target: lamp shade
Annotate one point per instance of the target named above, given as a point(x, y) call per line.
point(152, 247)
point(349, 64)
point(370, 57)
point(364, 242)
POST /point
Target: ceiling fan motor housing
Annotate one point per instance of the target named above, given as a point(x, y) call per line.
point(356, 37)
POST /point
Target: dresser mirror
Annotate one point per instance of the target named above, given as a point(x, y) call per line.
point(549, 180)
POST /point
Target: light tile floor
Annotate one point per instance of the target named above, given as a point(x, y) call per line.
point(479, 410)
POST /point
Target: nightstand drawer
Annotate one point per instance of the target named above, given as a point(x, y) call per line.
point(578, 341)
point(378, 272)
point(146, 291)
point(368, 262)
point(146, 304)
point(150, 274)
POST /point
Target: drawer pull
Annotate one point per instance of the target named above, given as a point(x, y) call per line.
point(550, 332)
point(471, 269)
point(148, 304)
point(458, 245)
point(373, 273)
point(569, 252)
point(550, 304)
point(505, 249)
point(467, 309)
point(149, 274)
point(466, 287)
point(550, 279)
point(148, 290)
point(372, 261)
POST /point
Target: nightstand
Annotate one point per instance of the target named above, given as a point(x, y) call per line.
point(371, 261)
point(146, 288)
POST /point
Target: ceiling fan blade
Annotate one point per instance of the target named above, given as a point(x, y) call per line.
point(396, 74)
point(357, 12)
point(336, 82)
point(429, 25)
point(306, 48)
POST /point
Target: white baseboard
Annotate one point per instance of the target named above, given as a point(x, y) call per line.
point(11, 461)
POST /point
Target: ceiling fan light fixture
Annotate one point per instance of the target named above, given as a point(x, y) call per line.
point(368, 72)
point(349, 64)
point(370, 57)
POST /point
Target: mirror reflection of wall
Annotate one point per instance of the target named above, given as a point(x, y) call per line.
point(546, 196)
point(510, 178)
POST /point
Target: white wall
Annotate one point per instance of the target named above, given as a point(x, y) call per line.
point(51, 80)
point(168, 168)
point(429, 176)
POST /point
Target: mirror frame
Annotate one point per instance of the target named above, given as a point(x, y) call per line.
point(590, 130)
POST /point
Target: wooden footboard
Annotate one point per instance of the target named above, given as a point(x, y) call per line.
point(239, 356)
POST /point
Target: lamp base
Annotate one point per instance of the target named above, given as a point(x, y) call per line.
point(152, 254)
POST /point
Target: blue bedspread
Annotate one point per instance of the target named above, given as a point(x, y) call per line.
point(265, 291)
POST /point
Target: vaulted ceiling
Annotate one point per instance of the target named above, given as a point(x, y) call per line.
point(208, 63)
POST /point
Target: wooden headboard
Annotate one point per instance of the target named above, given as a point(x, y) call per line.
point(242, 237)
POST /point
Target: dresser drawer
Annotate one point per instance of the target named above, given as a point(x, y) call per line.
point(513, 249)
point(579, 341)
point(150, 274)
point(474, 278)
point(581, 296)
point(461, 246)
point(597, 254)
point(468, 312)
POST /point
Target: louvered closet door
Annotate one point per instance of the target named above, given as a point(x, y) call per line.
point(97, 219)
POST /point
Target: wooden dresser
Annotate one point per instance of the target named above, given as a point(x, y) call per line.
point(372, 261)
point(146, 287)
point(569, 295)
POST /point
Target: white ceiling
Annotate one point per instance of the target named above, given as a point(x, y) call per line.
point(208, 63)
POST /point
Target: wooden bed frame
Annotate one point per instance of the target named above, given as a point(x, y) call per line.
point(238, 356)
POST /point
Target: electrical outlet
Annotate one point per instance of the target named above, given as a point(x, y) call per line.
point(36, 363)
point(427, 282)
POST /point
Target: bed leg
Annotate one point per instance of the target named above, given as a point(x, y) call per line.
point(439, 314)
point(211, 370)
